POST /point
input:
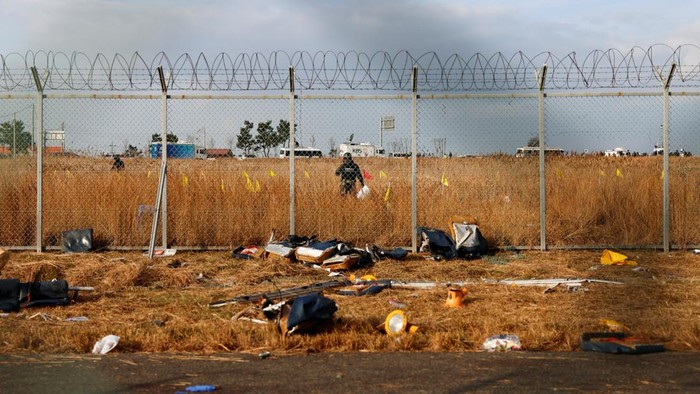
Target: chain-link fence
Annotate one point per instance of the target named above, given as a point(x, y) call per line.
point(72, 161)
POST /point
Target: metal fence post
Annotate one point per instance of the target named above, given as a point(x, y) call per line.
point(39, 132)
point(543, 196)
point(666, 198)
point(292, 146)
point(414, 162)
point(164, 154)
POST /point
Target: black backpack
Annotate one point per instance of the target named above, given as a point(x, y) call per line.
point(437, 242)
point(45, 293)
point(10, 290)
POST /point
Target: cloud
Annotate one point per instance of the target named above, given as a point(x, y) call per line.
point(242, 26)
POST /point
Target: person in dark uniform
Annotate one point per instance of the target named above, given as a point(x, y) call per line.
point(349, 171)
point(118, 164)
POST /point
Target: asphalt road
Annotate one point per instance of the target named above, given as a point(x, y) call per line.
point(352, 373)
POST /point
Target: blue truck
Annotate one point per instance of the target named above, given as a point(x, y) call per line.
point(179, 151)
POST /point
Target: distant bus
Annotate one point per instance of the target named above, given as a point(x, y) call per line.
point(527, 151)
point(301, 152)
point(179, 150)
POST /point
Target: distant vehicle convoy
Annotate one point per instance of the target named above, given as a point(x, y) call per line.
point(363, 149)
point(527, 151)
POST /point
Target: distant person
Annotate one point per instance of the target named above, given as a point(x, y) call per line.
point(349, 171)
point(118, 164)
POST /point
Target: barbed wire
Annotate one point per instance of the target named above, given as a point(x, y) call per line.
point(379, 71)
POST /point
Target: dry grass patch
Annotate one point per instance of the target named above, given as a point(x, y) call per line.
point(162, 305)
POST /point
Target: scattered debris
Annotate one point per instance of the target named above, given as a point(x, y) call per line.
point(77, 241)
point(610, 258)
point(304, 313)
point(4, 258)
point(200, 388)
point(252, 320)
point(264, 355)
point(282, 294)
point(396, 323)
point(502, 343)
point(15, 294)
point(176, 264)
point(618, 343)
point(468, 240)
point(104, 345)
point(246, 253)
point(77, 319)
point(455, 296)
point(570, 287)
point(437, 243)
point(162, 252)
point(397, 304)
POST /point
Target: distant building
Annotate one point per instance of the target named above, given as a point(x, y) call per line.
point(219, 153)
point(53, 150)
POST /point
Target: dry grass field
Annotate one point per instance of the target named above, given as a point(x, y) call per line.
point(591, 200)
point(162, 305)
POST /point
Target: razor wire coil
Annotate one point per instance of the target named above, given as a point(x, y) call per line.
point(328, 70)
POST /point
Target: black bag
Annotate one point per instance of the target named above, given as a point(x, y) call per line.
point(437, 242)
point(10, 290)
point(470, 243)
point(77, 240)
point(45, 293)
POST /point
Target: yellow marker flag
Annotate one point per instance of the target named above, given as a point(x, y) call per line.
point(618, 173)
point(272, 173)
point(382, 174)
point(444, 181)
point(222, 184)
point(559, 174)
point(386, 195)
point(148, 175)
point(185, 181)
point(662, 174)
point(68, 173)
point(601, 173)
point(306, 174)
point(249, 185)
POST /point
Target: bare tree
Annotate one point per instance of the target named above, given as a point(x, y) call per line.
point(332, 149)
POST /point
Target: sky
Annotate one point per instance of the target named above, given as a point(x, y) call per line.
point(446, 27)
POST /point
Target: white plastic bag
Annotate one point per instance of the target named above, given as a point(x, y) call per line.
point(104, 345)
point(364, 192)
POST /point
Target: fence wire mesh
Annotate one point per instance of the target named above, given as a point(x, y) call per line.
point(468, 166)
point(230, 181)
point(18, 177)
